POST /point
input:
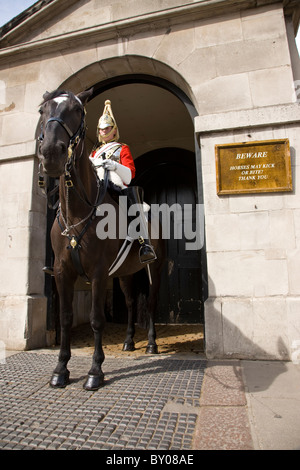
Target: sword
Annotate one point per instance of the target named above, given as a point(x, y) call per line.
point(149, 274)
point(122, 255)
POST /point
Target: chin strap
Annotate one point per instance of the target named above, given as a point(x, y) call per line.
point(108, 136)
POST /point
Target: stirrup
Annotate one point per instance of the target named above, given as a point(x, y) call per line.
point(147, 254)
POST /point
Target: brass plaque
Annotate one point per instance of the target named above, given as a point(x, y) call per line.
point(253, 167)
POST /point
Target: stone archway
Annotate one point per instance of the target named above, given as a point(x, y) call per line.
point(103, 74)
point(152, 113)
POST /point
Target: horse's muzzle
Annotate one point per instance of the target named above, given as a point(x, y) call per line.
point(53, 159)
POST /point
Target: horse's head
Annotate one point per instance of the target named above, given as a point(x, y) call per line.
point(62, 128)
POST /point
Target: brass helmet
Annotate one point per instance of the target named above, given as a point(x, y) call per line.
point(108, 120)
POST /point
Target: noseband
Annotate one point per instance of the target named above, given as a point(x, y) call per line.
point(63, 124)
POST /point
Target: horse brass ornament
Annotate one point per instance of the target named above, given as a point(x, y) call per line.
point(73, 242)
point(62, 128)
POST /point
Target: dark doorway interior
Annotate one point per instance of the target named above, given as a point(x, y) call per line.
point(168, 176)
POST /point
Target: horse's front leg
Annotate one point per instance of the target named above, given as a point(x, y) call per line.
point(152, 303)
point(95, 377)
point(60, 377)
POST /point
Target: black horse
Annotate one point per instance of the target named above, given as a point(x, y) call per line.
point(76, 246)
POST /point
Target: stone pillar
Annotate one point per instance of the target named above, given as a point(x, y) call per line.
point(22, 253)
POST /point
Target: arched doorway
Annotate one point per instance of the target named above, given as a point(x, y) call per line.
point(155, 119)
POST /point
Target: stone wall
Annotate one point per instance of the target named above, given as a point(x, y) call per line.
point(252, 255)
point(22, 254)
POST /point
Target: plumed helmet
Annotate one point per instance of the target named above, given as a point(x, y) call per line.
point(107, 119)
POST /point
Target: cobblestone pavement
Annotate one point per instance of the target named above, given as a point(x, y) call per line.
point(147, 403)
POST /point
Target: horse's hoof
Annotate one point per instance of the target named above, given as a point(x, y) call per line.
point(60, 380)
point(152, 349)
point(93, 382)
point(128, 346)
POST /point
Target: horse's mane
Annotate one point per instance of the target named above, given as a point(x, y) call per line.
point(48, 96)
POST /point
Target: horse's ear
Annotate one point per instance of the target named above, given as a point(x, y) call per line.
point(85, 95)
point(45, 95)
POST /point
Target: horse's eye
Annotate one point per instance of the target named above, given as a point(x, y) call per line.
point(40, 111)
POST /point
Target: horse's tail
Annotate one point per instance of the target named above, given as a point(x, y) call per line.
point(141, 283)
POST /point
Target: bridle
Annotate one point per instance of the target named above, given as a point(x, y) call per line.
point(74, 141)
point(74, 138)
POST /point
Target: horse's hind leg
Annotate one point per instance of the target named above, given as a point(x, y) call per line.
point(60, 377)
point(95, 377)
point(126, 284)
point(152, 303)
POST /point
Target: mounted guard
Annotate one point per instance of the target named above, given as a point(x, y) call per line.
point(115, 157)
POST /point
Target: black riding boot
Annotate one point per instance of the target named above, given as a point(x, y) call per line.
point(135, 195)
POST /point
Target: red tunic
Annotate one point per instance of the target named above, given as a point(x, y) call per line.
point(125, 158)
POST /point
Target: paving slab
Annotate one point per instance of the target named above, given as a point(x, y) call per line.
point(273, 395)
point(223, 422)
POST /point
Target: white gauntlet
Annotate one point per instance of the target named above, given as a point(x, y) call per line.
point(123, 171)
point(109, 165)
